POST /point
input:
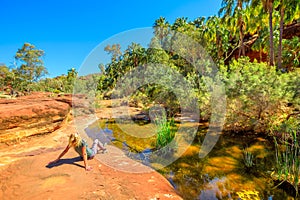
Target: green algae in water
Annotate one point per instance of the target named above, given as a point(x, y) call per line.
point(222, 174)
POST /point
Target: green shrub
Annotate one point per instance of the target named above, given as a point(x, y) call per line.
point(258, 95)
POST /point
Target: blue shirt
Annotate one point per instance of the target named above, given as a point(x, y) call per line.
point(89, 151)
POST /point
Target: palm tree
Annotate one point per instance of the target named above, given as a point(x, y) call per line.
point(256, 21)
point(161, 29)
point(290, 11)
point(235, 8)
point(200, 25)
point(179, 24)
point(199, 22)
point(282, 8)
point(268, 7)
point(217, 40)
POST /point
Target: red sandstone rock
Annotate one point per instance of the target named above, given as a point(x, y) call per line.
point(23, 166)
point(31, 115)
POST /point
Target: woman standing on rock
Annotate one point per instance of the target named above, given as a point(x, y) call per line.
point(81, 147)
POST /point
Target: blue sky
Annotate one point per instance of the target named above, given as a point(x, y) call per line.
point(69, 30)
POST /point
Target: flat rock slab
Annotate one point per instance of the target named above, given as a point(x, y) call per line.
point(24, 172)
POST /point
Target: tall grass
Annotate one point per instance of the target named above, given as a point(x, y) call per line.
point(248, 158)
point(288, 161)
point(165, 131)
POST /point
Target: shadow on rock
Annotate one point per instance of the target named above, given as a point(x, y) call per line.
point(71, 161)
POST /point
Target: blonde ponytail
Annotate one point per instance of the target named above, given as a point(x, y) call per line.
point(74, 139)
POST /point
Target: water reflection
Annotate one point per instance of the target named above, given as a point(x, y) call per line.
point(222, 174)
point(105, 135)
point(215, 189)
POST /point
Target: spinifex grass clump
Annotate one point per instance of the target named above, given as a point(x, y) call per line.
point(288, 161)
point(165, 132)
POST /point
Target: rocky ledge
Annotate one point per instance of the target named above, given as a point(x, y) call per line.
point(38, 113)
point(24, 165)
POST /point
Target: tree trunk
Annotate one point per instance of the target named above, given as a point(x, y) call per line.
point(241, 24)
point(242, 46)
point(279, 61)
point(270, 9)
point(219, 45)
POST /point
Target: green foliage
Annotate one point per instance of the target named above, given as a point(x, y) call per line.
point(242, 20)
point(257, 94)
point(291, 53)
point(288, 161)
point(6, 76)
point(31, 67)
point(87, 85)
point(60, 84)
point(165, 131)
point(288, 129)
point(28, 70)
point(248, 158)
point(259, 98)
point(27, 74)
point(69, 80)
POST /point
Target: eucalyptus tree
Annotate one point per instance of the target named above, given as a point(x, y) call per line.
point(234, 10)
point(114, 50)
point(5, 76)
point(29, 67)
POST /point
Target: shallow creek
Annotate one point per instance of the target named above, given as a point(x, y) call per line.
point(222, 174)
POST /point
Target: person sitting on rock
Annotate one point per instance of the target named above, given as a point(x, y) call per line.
point(81, 147)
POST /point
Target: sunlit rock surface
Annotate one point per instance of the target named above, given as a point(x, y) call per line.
point(37, 113)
